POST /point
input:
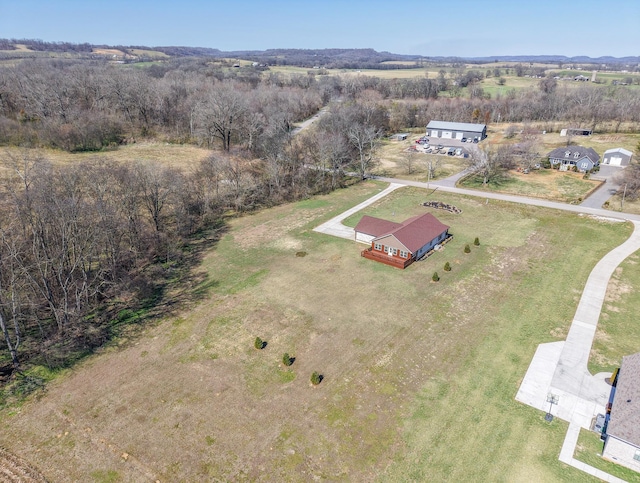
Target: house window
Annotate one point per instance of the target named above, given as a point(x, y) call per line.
point(378, 246)
point(404, 254)
point(567, 153)
point(392, 251)
point(576, 155)
point(637, 456)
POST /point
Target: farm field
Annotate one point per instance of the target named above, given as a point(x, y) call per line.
point(419, 377)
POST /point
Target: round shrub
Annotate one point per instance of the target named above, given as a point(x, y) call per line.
point(258, 343)
point(435, 277)
point(467, 248)
point(316, 378)
point(447, 267)
point(287, 360)
point(476, 242)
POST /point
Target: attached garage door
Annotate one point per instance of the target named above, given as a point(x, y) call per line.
point(434, 133)
point(459, 135)
point(447, 134)
point(615, 161)
point(364, 238)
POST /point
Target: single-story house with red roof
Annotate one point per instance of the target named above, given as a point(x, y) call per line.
point(400, 244)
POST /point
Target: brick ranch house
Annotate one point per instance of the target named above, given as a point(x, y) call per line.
point(400, 244)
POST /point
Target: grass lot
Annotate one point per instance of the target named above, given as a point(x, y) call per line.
point(616, 336)
point(391, 154)
point(589, 451)
point(182, 156)
point(549, 184)
point(420, 377)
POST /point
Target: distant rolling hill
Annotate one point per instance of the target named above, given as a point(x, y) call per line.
point(331, 58)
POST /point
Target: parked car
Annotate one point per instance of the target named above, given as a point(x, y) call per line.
point(458, 151)
point(464, 140)
point(451, 151)
point(428, 150)
point(475, 140)
point(439, 146)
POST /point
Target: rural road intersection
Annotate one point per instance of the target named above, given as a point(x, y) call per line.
point(558, 371)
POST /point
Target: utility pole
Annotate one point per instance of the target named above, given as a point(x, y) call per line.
point(624, 193)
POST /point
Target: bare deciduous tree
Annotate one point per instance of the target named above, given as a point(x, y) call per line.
point(364, 139)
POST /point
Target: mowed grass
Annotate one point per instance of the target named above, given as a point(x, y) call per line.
point(549, 184)
point(589, 451)
point(617, 335)
point(420, 377)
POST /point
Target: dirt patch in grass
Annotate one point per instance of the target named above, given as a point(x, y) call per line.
point(16, 469)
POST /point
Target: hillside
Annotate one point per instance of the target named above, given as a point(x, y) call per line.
point(328, 58)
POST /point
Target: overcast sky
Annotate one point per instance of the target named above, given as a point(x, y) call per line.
point(447, 28)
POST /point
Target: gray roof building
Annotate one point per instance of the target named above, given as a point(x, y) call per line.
point(582, 158)
point(623, 429)
point(617, 157)
point(456, 130)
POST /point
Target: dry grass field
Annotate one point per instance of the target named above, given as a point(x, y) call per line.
point(179, 156)
point(419, 377)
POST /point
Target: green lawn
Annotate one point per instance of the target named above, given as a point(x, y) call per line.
point(617, 334)
point(589, 451)
point(544, 183)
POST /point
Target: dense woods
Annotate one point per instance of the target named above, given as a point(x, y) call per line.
point(83, 244)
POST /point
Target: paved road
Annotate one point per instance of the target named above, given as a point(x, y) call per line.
point(448, 185)
point(305, 124)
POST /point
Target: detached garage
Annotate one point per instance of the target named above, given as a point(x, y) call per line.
point(456, 130)
point(617, 157)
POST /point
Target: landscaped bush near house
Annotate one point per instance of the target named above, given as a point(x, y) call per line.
point(435, 277)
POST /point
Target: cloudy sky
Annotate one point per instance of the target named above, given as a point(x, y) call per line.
point(461, 28)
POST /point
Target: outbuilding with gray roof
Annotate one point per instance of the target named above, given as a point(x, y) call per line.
point(617, 157)
point(456, 130)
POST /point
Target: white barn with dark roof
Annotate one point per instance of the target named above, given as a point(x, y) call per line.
point(456, 130)
point(622, 443)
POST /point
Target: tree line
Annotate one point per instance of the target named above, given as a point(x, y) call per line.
point(80, 242)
